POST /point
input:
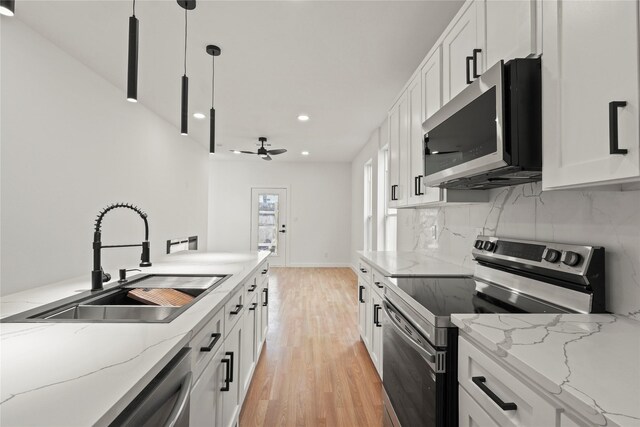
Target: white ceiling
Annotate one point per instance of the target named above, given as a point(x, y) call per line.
point(341, 62)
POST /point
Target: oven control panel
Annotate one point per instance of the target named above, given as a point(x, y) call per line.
point(567, 258)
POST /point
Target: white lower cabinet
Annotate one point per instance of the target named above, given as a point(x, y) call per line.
point(375, 324)
point(231, 397)
point(471, 413)
point(369, 316)
point(206, 396)
point(248, 346)
point(236, 334)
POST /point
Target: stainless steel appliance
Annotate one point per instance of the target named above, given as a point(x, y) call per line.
point(511, 276)
point(489, 135)
point(165, 401)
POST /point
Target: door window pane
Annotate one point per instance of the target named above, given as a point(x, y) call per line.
point(268, 205)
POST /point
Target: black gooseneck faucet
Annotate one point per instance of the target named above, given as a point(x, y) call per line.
point(98, 276)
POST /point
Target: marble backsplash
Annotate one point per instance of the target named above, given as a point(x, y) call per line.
point(601, 218)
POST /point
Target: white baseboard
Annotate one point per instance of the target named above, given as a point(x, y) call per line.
point(321, 265)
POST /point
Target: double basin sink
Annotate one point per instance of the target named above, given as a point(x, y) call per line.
point(113, 304)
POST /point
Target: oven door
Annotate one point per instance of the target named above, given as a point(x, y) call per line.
point(466, 136)
point(413, 374)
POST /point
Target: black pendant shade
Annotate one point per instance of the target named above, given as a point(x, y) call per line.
point(132, 69)
point(184, 104)
point(7, 7)
point(214, 51)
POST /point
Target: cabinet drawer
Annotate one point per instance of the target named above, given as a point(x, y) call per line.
point(233, 310)
point(470, 414)
point(491, 384)
point(263, 273)
point(364, 271)
point(206, 343)
point(378, 282)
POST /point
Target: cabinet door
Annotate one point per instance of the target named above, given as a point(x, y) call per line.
point(248, 349)
point(590, 59)
point(458, 44)
point(425, 98)
point(376, 333)
point(470, 413)
point(363, 311)
point(206, 407)
point(233, 353)
point(511, 30)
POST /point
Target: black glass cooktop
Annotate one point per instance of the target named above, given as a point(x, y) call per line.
point(444, 296)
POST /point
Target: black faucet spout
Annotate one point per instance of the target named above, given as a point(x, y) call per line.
point(98, 276)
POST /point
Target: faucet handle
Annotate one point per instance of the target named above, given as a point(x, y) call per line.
point(122, 273)
point(105, 276)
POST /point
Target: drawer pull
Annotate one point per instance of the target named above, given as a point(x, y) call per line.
point(265, 271)
point(360, 297)
point(266, 297)
point(505, 406)
point(237, 310)
point(216, 337)
point(252, 288)
point(378, 285)
point(253, 306)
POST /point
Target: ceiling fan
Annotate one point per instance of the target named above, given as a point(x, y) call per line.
point(263, 152)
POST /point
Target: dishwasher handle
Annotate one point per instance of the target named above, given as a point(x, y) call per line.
point(182, 403)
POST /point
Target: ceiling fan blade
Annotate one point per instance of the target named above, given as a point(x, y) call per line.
point(277, 151)
point(267, 157)
point(247, 152)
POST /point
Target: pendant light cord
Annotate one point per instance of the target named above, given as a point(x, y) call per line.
point(185, 42)
point(134, 8)
point(213, 71)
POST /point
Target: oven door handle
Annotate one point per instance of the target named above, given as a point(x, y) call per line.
point(426, 355)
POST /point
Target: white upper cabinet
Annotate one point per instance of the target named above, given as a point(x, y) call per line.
point(462, 50)
point(590, 93)
point(511, 30)
point(398, 151)
point(424, 98)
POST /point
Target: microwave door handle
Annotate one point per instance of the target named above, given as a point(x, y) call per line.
point(182, 404)
point(430, 358)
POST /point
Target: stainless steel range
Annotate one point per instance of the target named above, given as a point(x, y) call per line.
point(511, 276)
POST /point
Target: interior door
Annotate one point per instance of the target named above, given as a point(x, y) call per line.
point(269, 225)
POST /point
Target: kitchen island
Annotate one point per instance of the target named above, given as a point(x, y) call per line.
point(63, 374)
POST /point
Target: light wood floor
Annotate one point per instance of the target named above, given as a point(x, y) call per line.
point(314, 369)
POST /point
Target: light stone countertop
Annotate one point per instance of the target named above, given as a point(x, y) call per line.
point(590, 362)
point(68, 374)
point(407, 264)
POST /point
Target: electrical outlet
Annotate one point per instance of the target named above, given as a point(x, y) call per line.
point(434, 232)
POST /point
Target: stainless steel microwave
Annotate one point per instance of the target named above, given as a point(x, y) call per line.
point(489, 135)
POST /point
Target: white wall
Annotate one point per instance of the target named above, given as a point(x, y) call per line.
point(319, 198)
point(70, 145)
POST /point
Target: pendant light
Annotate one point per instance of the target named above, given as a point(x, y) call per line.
point(7, 7)
point(132, 69)
point(184, 115)
point(214, 51)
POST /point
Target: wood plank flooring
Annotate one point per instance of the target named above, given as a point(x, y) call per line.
point(314, 369)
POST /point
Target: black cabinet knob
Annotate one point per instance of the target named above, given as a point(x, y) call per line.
point(571, 258)
point(552, 255)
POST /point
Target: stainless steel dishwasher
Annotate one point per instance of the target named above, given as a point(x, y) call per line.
point(165, 401)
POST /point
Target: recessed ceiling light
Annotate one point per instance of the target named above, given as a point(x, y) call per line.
point(199, 116)
point(303, 117)
point(305, 153)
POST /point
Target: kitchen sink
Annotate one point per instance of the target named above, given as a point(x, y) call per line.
point(113, 305)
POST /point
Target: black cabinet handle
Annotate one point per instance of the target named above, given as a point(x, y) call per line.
point(394, 196)
point(378, 285)
point(505, 406)
point(265, 271)
point(237, 310)
point(252, 288)
point(469, 59)
point(419, 186)
point(415, 185)
point(376, 319)
point(216, 337)
point(230, 354)
point(253, 306)
point(613, 127)
point(360, 297)
point(266, 297)
point(227, 375)
point(364, 270)
point(475, 63)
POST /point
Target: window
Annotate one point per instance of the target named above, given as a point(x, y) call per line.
point(390, 220)
point(368, 206)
